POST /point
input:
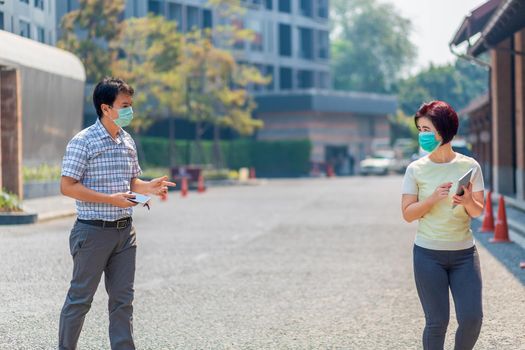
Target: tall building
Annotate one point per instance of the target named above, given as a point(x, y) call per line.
point(33, 19)
point(291, 36)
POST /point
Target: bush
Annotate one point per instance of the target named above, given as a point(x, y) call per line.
point(9, 202)
point(269, 158)
point(43, 172)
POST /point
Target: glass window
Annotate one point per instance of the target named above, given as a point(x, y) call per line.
point(324, 80)
point(155, 7)
point(269, 4)
point(285, 6)
point(2, 25)
point(269, 72)
point(306, 49)
point(41, 34)
point(39, 4)
point(305, 79)
point(285, 40)
point(192, 18)
point(322, 8)
point(285, 80)
point(257, 27)
point(175, 14)
point(25, 29)
point(207, 19)
point(238, 23)
point(25, 1)
point(323, 44)
point(306, 8)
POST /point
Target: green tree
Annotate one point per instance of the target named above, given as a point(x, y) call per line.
point(216, 90)
point(188, 76)
point(150, 51)
point(87, 31)
point(456, 83)
point(370, 47)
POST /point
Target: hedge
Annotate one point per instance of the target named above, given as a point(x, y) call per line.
point(269, 158)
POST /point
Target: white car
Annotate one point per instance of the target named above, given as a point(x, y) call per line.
point(378, 164)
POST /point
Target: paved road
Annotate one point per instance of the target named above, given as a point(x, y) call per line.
point(293, 264)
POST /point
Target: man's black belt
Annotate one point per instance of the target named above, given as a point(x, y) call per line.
point(121, 223)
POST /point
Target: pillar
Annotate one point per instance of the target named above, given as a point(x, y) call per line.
point(519, 78)
point(502, 119)
point(11, 132)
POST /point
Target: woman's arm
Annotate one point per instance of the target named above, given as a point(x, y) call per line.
point(413, 209)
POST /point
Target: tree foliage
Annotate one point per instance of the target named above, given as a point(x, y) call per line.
point(370, 45)
point(87, 31)
point(457, 83)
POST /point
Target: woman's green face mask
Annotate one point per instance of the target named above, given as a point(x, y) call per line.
point(428, 141)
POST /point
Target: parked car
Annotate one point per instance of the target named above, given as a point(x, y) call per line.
point(380, 163)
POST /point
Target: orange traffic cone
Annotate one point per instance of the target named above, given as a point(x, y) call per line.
point(184, 187)
point(329, 171)
point(501, 233)
point(488, 217)
point(200, 184)
point(252, 173)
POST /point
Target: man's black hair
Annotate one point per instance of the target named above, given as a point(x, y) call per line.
point(107, 90)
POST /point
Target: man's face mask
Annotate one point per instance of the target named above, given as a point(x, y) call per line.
point(125, 115)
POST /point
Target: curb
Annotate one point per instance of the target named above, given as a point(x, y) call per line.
point(18, 218)
point(56, 215)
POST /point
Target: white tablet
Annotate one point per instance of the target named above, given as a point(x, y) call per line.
point(139, 198)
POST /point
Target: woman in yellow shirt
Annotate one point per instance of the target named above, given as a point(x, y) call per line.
point(445, 256)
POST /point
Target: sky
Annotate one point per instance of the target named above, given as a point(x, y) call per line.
point(434, 24)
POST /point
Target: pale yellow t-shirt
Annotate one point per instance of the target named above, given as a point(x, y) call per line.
point(443, 227)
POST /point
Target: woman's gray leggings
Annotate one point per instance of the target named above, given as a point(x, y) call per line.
point(435, 272)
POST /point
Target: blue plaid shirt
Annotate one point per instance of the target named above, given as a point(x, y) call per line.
point(103, 164)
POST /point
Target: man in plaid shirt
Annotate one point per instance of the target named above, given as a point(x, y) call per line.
point(99, 168)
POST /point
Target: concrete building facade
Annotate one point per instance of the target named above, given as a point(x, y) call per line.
point(32, 19)
point(291, 36)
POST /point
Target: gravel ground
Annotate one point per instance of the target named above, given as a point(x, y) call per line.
point(293, 264)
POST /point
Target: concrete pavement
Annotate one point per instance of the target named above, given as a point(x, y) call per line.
point(293, 264)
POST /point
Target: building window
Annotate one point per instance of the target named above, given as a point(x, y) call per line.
point(285, 40)
point(25, 1)
point(40, 34)
point(306, 49)
point(175, 14)
point(269, 72)
point(305, 79)
point(306, 8)
point(256, 26)
point(323, 44)
point(2, 25)
point(155, 7)
point(25, 29)
point(238, 24)
point(285, 80)
point(322, 8)
point(268, 4)
point(324, 80)
point(285, 6)
point(207, 19)
point(39, 4)
point(192, 18)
